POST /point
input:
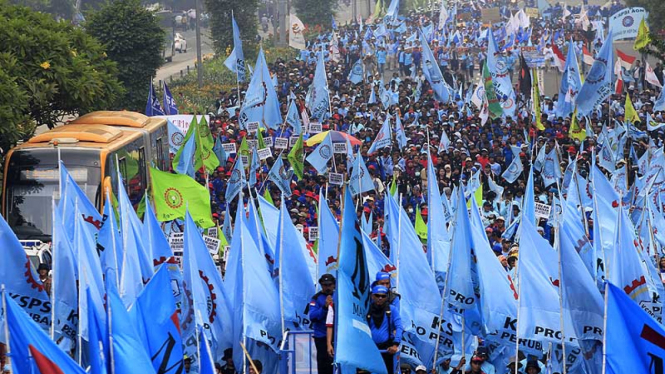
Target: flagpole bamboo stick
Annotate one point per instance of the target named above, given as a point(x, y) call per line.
point(604, 367)
point(6, 324)
point(53, 268)
point(249, 358)
point(519, 299)
point(399, 240)
point(281, 257)
point(557, 243)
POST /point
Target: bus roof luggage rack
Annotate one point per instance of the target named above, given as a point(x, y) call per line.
point(82, 133)
point(113, 118)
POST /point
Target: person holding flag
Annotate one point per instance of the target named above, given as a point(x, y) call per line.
point(386, 325)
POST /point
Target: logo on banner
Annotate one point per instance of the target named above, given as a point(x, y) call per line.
point(628, 21)
point(325, 151)
point(177, 139)
point(173, 198)
point(597, 72)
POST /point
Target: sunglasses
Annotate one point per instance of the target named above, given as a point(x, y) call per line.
point(380, 296)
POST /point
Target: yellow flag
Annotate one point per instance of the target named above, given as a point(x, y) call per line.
point(630, 114)
point(643, 38)
point(478, 194)
point(536, 100)
point(575, 131)
point(421, 226)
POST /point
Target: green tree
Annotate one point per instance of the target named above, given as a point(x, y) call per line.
point(316, 12)
point(48, 70)
point(221, 28)
point(134, 40)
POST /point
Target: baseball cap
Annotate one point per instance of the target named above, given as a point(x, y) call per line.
point(379, 290)
point(382, 276)
point(326, 278)
point(421, 368)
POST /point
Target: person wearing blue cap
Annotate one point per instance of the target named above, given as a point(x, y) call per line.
point(383, 279)
point(318, 311)
point(385, 324)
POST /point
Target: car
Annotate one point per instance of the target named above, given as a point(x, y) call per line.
point(180, 43)
point(38, 252)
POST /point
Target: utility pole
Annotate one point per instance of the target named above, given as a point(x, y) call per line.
point(354, 11)
point(283, 19)
point(199, 58)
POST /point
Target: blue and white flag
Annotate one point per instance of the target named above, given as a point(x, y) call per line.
point(109, 244)
point(328, 238)
point(281, 177)
point(659, 105)
point(383, 138)
point(236, 182)
point(514, 170)
point(293, 118)
point(529, 203)
point(236, 60)
point(72, 197)
point(265, 246)
point(170, 106)
point(570, 84)
point(599, 82)
point(461, 293)
point(360, 180)
point(354, 347)
point(432, 72)
point(254, 166)
point(65, 278)
point(187, 158)
point(634, 341)
point(444, 143)
point(321, 155)
point(261, 103)
point(176, 137)
point(500, 77)
point(153, 107)
point(400, 135)
point(319, 100)
point(218, 149)
point(356, 73)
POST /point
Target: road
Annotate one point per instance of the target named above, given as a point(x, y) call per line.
point(182, 60)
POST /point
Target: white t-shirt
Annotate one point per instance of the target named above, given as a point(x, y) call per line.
point(330, 318)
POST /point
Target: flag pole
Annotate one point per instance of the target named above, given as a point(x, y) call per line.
point(399, 240)
point(249, 358)
point(605, 329)
point(281, 257)
point(557, 244)
point(517, 327)
point(53, 267)
point(6, 324)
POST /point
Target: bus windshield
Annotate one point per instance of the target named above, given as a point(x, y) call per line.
point(33, 182)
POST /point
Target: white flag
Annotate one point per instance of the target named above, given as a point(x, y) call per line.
point(651, 77)
point(296, 36)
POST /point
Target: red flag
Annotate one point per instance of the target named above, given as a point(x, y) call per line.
point(44, 364)
point(626, 60)
point(559, 58)
point(587, 56)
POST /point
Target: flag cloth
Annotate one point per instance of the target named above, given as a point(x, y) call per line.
point(98, 342)
point(236, 60)
point(383, 138)
point(175, 137)
point(643, 37)
point(360, 180)
point(295, 158)
point(185, 157)
point(634, 340)
point(72, 198)
point(219, 151)
point(536, 104)
point(514, 170)
point(321, 155)
point(432, 71)
point(261, 103)
point(64, 280)
point(172, 193)
point(357, 72)
point(254, 165)
point(354, 347)
point(296, 33)
point(597, 86)
point(525, 78)
point(170, 106)
point(576, 131)
point(460, 285)
point(293, 118)
point(559, 60)
point(281, 177)
point(493, 104)
point(630, 112)
point(236, 182)
point(400, 135)
point(153, 107)
point(420, 225)
point(328, 238)
point(319, 99)
point(31, 347)
point(625, 60)
point(498, 69)
point(570, 84)
point(651, 77)
point(109, 243)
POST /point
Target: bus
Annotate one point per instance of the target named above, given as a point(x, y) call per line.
point(89, 147)
point(167, 23)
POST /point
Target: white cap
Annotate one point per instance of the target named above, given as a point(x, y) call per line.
point(421, 367)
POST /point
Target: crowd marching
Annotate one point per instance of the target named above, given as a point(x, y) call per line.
point(404, 189)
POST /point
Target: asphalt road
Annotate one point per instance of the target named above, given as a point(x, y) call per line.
point(182, 60)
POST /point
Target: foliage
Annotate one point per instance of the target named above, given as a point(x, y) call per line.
point(312, 12)
point(48, 70)
point(656, 10)
point(221, 27)
point(62, 8)
point(216, 77)
point(134, 40)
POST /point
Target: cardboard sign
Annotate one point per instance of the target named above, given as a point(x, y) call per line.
point(229, 147)
point(336, 178)
point(281, 143)
point(264, 153)
point(212, 244)
point(542, 210)
point(532, 12)
point(339, 148)
point(245, 160)
point(176, 241)
point(268, 141)
point(300, 228)
point(293, 140)
point(315, 128)
point(252, 143)
point(211, 232)
point(313, 234)
point(490, 15)
point(252, 126)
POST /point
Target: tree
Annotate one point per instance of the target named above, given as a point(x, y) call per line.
point(48, 70)
point(221, 28)
point(315, 12)
point(134, 40)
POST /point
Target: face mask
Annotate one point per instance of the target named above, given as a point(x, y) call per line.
point(410, 210)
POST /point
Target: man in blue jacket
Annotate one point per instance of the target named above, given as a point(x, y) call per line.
point(385, 324)
point(318, 311)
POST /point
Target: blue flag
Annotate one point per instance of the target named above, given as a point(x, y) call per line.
point(218, 149)
point(356, 73)
point(170, 107)
point(529, 203)
point(400, 135)
point(438, 238)
point(155, 317)
point(321, 155)
point(31, 346)
point(71, 196)
point(261, 103)
point(360, 180)
point(334, 24)
point(599, 82)
point(500, 77)
point(366, 223)
point(383, 138)
point(254, 166)
point(293, 118)
point(432, 72)
point(153, 107)
point(187, 158)
point(236, 60)
point(354, 347)
point(270, 216)
point(129, 354)
point(460, 283)
point(281, 177)
point(295, 281)
point(20, 280)
point(64, 280)
point(206, 365)
point(319, 100)
point(97, 338)
point(266, 249)
point(570, 84)
point(376, 260)
point(328, 238)
point(236, 181)
point(175, 137)
point(109, 244)
point(634, 341)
